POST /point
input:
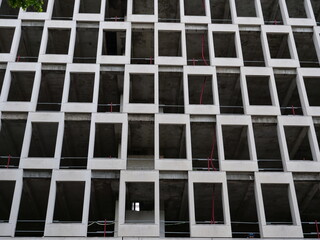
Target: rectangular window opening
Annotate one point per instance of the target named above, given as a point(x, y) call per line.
point(21, 86)
point(7, 191)
point(298, 143)
point(29, 44)
point(271, 12)
point(69, 202)
point(85, 50)
point(114, 42)
point(142, 193)
point(230, 98)
point(306, 49)
point(246, 8)
point(8, 12)
point(63, 10)
point(89, 6)
point(312, 84)
point(200, 89)
point(51, 88)
point(235, 141)
point(116, 10)
point(296, 8)
point(171, 92)
point(172, 142)
point(267, 147)
point(6, 39)
point(11, 139)
point(259, 90)
point(141, 88)
point(278, 45)
point(75, 145)
point(81, 87)
point(142, 46)
point(208, 203)
point(224, 44)
point(107, 142)
point(252, 48)
point(194, 8)
point(141, 145)
point(33, 207)
point(170, 43)
point(58, 41)
point(276, 204)
point(316, 10)
point(197, 48)
point(110, 91)
point(169, 11)
point(145, 7)
point(220, 11)
point(203, 136)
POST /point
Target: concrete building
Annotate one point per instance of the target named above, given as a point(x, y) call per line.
point(139, 119)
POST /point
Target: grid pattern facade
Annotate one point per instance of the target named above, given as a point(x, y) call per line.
point(160, 118)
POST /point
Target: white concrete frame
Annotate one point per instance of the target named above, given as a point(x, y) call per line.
point(201, 108)
point(225, 61)
point(20, 106)
point(310, 73)
point(277, 231)
point(275, 62)
point(209, 230)
point(114, 59)
point(57, 58)
point(16, 25)
point(196, 19)
point(140, 107)
point(309, 21)
point(143, 18)
point(298, 165)
point(316, 40)
point(77, 16)
point(170, 60)
point(167, 163)
point(8, 229)
point(45, 15)
point(249, 109)
point(138, 229)
point(109, 163)
point(27, 162)
point(258, 20)
point(67, 106)
point(68, 229)
point(250, 165)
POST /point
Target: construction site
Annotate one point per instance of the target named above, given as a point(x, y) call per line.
point(153, 119)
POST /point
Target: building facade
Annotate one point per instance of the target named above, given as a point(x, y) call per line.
point(160, 119)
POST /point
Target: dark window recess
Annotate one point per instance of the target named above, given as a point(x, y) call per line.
point(142, 46)
point(278, 45)
point(8, 12)
point(86, 45)
point(81, 87)
point(170, 43)
point(142, 7)
point(200, 89)
point(251, 48)
point(194, 8)
point(259, 90)
point(306, 49)
point(89, 6)
point(169, 11)
point(197, 48)
point(29, 44)
point(58, 41)
point(220, 11)
point(114, 43)
point(63, 9)
point(271, 12)
point(6, 38)
point(7, 191)
point(141, 88)
point(21, 86)
point(116, 10)
point(312, 84)
point(246, 8)
point(224, 45)
point(296, 8)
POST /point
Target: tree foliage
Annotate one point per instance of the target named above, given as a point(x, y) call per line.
point(24, 4)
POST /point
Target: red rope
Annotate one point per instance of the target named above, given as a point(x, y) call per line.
point(202, 89)
point(150, 60)
point(317, 228)
point(105, 228)
point(18, 58)
point(293, 111)
point(210, 159)
point(205, 62)
point(9, 159)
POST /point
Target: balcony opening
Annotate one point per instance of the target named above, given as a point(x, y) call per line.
point(312, 84)
point(29, 44)
point(69, 202)
point(298, 143)
point(11, 139)
point(224, 44)
point(169, 11)
point(194, 8)
point(8, 12)
point(171, 92)
point(172, 141)
point(251, 48)
point(208, 203)
point(141, 145)
point(306, 49)
point(278, 45)
point(89, 6)
point(259, 90)
point(114, 42)
point(267, 147)
point(110, 91)
point(296, 8)
point(81, 87)
point(143, 7)
point(174, 203)
point(6, 39)
point(85, 50)
point(197, 48)
point(51, 89)
point(107, 142)
point(271, 12)
point(142, 46)
point(141, 88)
point(21, 86)
point(316, 10)
point(43, 139)
point(33, 207)
point(204, 145)
point(246, 8)
point(7, 191)
point(170, 44)
point(58, 41)
point(116, 10)
point(243, 209)
point(288, 94)
point(220, 11)
point(276, 204)
point(235, 141)
point(75, 145)
point(63, 10)
point(200, 89)
point(230, 93)
point(142, 193)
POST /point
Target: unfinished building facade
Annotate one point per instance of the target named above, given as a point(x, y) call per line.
point(132, 119)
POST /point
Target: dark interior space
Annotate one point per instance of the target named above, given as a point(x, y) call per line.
point(142, 39)
point(220, 11)
point(63, 10)
point(58, 41)
point(251, 48)
point(85, 50)
point(21, 86)
point(116, 10)
point(145, 82)
point(81, 87)
point(29, 46)
point(6, 194)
